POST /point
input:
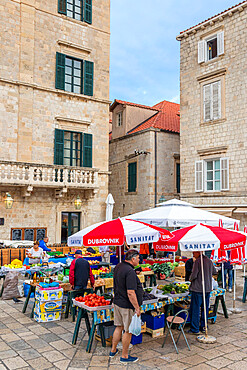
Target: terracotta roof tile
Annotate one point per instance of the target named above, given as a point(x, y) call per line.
point(206, 20)
point(128, 103)
point(167, 118)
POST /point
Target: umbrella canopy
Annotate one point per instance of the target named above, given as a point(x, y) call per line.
point(204, 237)
point(176, 213)
point(117, 231)
point(109, 207)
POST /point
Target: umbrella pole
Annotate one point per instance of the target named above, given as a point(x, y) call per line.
point(205, 338)
point(244, 270)
point(174, 259)
point(223, 275)
point(234, 309)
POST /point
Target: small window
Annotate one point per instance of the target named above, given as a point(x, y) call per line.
point(212, 175)
point(119, 119)
point(132, 177)
point(212, 101)
point(212, 48)
point(74, 75)
point(80, 10)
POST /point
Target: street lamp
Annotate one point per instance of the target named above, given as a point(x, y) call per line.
point(78, 202)
point(8, 201)
point(162, 199)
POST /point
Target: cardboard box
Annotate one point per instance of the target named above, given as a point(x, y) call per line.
point(47, 306)
point(45, 317)
point(156, 333)
point(180, 271)
point(48, 295)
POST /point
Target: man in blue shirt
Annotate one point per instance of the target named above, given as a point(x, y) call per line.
point(42, 244)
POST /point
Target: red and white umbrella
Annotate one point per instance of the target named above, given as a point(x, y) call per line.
point(202, 237)
point(116, 232)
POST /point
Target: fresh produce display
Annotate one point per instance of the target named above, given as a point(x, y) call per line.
point(162, 268)
point(174, 288)
point(93, 300)
point(147, 296)
point(15, 264)
point(144, 267)
point(93, 262)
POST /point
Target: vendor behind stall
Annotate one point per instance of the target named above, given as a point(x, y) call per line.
point(35, 254)
point(79, 272)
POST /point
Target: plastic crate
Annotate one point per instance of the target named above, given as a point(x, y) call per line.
point(108, 330)
point(183, 314)
point(136, 339)
point(154, 322)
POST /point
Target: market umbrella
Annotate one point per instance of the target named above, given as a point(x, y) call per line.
point(201, 238)
point(177, 213)
point(109, 207)
point(116, 232)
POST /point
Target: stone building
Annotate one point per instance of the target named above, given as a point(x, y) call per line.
point(54, 115)
point(213, 75)
point(144, 155)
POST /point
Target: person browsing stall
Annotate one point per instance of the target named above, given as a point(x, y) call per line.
point(197, 321)
point(79, 272)
point(35, 254)
point(128, 296)
point(42, 244)
point(105, 253)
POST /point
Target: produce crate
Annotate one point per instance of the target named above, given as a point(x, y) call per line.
point(154, 322)
point(47, 306)
point(144, 327)
point(156, 333)
point(48, 295)
point(45, 317)
point(136, 339)
point(180, 271)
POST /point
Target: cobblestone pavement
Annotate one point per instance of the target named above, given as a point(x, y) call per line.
point(26, 344)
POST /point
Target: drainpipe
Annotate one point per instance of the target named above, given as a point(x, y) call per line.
point(155, 168)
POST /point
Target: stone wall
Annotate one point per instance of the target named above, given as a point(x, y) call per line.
point(226, 137)
point(31, 108)
point(144, 198)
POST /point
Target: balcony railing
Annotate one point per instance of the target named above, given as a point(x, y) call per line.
point(19, 173)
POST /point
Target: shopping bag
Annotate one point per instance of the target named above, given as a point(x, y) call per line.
point(135, 325)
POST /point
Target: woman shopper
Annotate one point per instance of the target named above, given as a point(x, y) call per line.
point(35, 254)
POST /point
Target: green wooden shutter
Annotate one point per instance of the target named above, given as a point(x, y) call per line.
point(62, 6)
point(87, 150)
point(88, 78)
point(60, 71)
point(88, 11)
point(58, 146)
point(132, 177)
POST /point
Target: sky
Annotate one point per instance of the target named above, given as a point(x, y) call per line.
point(144, 64)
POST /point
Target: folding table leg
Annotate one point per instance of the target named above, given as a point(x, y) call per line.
point(223, 303)
point(27, 300)
point(77, 326)
point(102, 335)
point(90, 340)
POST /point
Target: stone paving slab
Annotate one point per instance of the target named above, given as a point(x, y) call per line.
point(26, 344)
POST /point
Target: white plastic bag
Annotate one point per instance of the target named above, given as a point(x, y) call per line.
point(135, 325)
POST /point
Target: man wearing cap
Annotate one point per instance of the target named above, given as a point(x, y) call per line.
point(79, 272)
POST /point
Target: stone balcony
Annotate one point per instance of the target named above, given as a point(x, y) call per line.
point(41, 175)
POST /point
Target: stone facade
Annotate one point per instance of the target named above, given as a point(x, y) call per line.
point(31, 108)
point(225, 137)
point(139, 147)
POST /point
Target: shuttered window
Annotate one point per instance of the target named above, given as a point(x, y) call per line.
point(132, 177)
point(211, 48)
point(74, 75)
point(212, 101)
point(77, 9)
point(212, 175)
point(72, 148)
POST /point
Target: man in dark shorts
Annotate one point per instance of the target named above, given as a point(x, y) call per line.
point(128, 295)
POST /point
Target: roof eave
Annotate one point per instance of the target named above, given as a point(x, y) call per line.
point(211, 21)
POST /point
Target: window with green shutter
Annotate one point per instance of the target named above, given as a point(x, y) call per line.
point(88, 11)
point(88, 78)
point(87, 150)
point(132, 177)
point(73, 148)
point(74, 75)
point(77, 9)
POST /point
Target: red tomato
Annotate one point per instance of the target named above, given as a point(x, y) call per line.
point(77, 298)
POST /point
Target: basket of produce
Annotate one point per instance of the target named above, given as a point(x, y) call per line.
point(164, 270)
point(175, 289)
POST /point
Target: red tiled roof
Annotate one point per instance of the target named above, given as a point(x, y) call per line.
point(167, 118)
point(128, 103)
point(206, 20)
